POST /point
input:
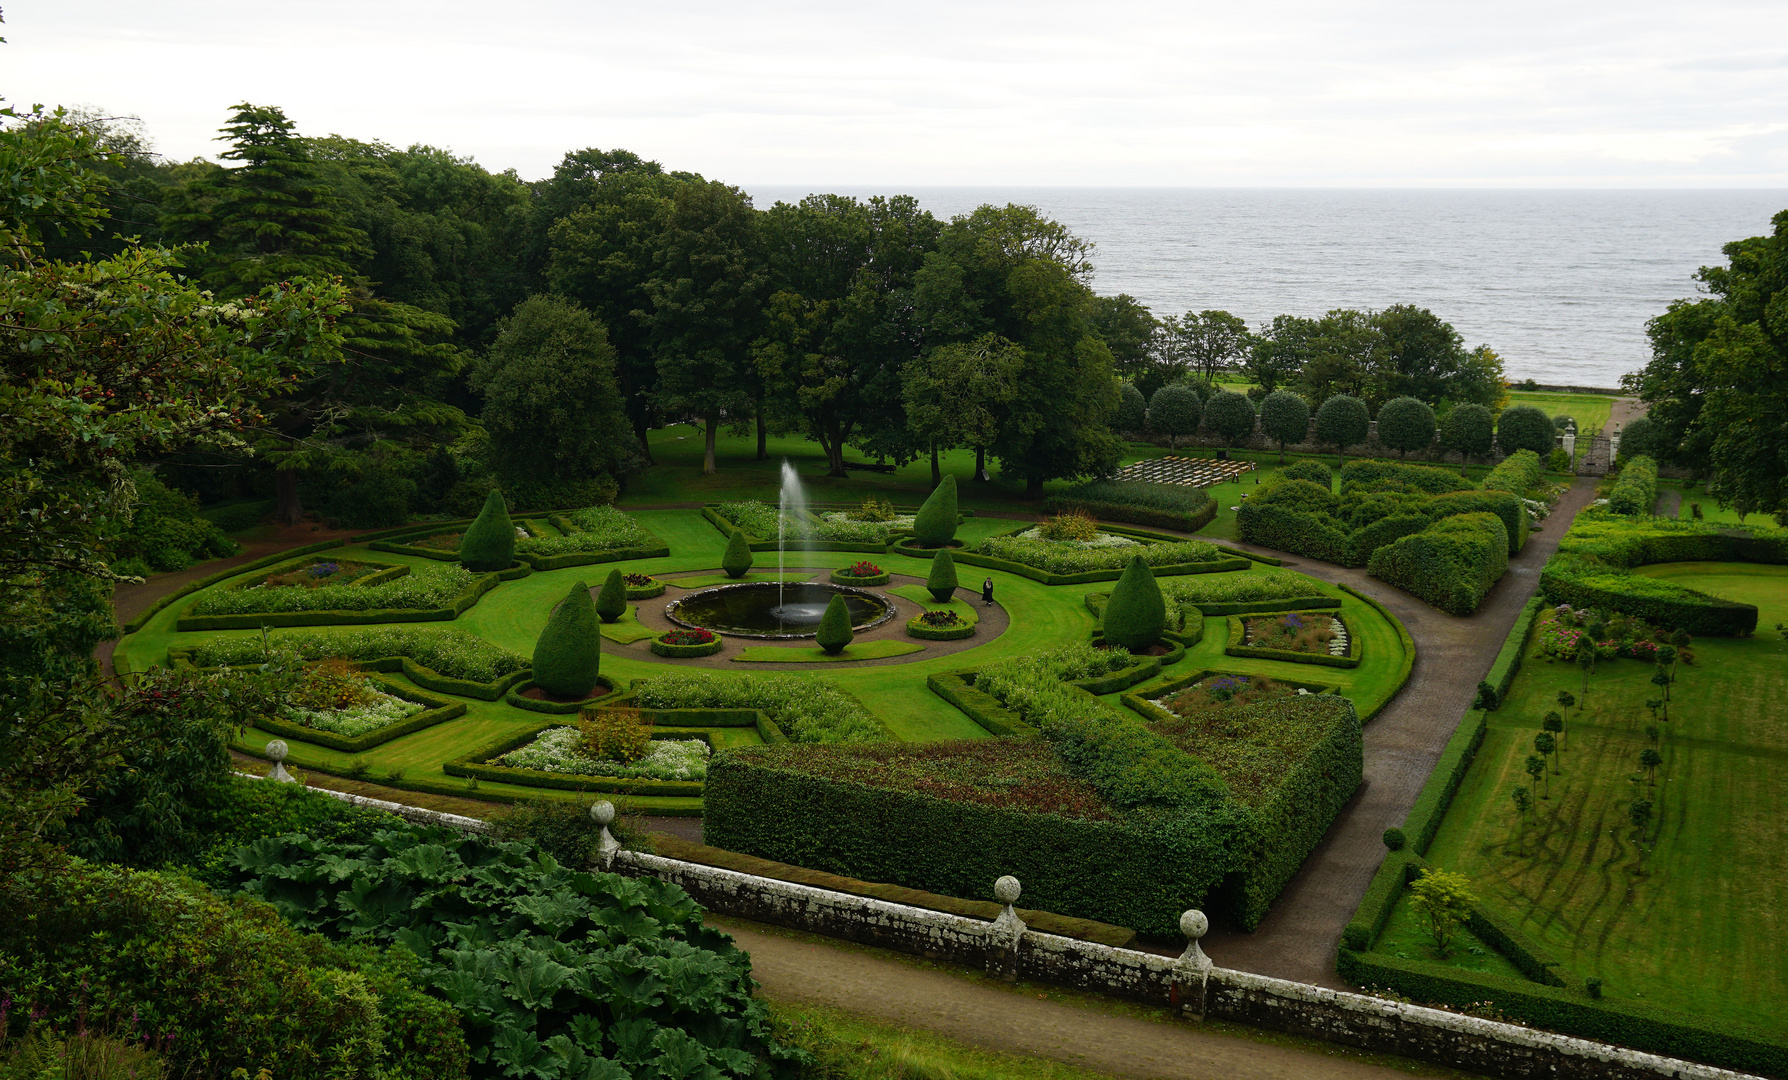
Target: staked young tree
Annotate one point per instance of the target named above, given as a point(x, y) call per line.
point(1285, 418)
point(1535, 767)
point(1523, 800)
point(1342, 422)
point(1586, 663)
point(1554, 723)
point(1406, 424)
point(1547, 746)
point(1649, 760)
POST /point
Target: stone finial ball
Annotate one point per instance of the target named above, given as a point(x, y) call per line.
point(1193, 924)
point(277, 750)
point(603, 813)
point(1006, 889)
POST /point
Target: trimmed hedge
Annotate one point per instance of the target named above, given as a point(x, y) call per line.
point(480, 585)
point(1230, 559)
point(754, 543)
point(473, 766)
point(1137, 699)
point(1452, 564)
point(489, 542)
point(958, 688)
point(515, 695)
point(425, 677)
point(1095, 603)
point(1503, 504)
point(142, 620)
point(935, 523)
point(1373, 473)
point(660, 647)
point(1238, 632)
point(439, 709)
point(1517, 474)
point(1635, 491)
point(1310, 469)
point(839, 577)
point(1136, 614)
point(917, 629)
point(645, 592)
point(1169, 506)
point(568, 654)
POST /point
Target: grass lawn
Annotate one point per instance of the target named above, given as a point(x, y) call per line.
point(1688, 916)
point(513, 614)
point(1591, 411)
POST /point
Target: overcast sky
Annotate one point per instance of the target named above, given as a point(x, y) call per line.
point(1630, 93)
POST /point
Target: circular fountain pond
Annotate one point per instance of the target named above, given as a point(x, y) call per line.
point(769, 610)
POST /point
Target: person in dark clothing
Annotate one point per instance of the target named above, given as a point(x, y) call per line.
point(987, 592)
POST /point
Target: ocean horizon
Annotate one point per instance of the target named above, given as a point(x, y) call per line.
point(1560, 282)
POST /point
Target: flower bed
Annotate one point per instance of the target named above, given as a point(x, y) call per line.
point(642, 586)
point(425, 588)
point(1218, 692)
point(370, 709)
point(860, 574)
point(596, 528)
point(809, 710)
point(1303, 637)
point(320, 572)
point(939, 626)
point(454, 653)
point(562, 750)
point(1562, 630)
point(687, 643)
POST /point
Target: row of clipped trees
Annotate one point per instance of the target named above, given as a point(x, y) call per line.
point(1180, 410)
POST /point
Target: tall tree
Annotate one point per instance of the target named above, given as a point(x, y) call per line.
point(1133, 334)
point(1717, 382)
point(956, 393)
point(1207, 342)
point(1285, 418)
point(1416, 354)
point(1406, 424)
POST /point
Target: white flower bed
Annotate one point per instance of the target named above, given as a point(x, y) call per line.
point(560, 750)
point(382, 710)
point(1099, 540)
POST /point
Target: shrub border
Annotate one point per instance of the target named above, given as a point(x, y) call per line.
point(660, 647)
point(141, 620)
point(513, 696)
point(439, 709)
point(840, 578)
point(468, 596)
point(1237, 631)
point(934, 633)
point(427, 678)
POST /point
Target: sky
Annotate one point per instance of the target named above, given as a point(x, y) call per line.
point(1261, 93)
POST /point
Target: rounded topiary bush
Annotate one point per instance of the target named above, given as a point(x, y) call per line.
point(1231, 416)
point(935, 524)
point(835, 631)
point(568, 656)
point(1406, 424)
point(1394, 838)
point(1309, 469)
point(1136, 612)
point(1343, 421)
point(1174, 411)
point(1525, 428)
point(489, 542)
point(737, 560)
point(611, 602)
point(687, 643)
point(942, 579)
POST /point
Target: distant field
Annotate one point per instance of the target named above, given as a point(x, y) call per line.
point(1589, 410)
point(1695, 925)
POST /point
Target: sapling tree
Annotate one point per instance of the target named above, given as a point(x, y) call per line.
point(1649, 760)
point(1586, 663)
point(1639, 813)
point(1653, 704)
point(1566, 699)
point(1523, 800)
point(1661, 679)
point(1547, 746)
point(1443, 899)
point(1536, 768)
point(1651, 732)
point(1555, 723)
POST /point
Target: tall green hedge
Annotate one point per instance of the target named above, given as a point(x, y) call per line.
point(1451, 564)
point(1517, 474)
point(1374, 473)
point(935, 523)
point(489, 542)
point(1309, 469)
point(1635, 491)
point(568, 655)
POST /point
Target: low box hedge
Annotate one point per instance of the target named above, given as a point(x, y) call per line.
point(1095, 603)
point(839, 577)
point(589, 558)
point(1137, 699)
point(758, 543)
point(427, 678)
point(1517, 474)
point(439, 709)
point(965, 557)
point(1135, 515)
point(1238, 631)
point(473, 765)
point(660, 647)
point(916, 628)
point(645, 592)
point(396, 548)
point(958, 688)
point(480, 585)
point(604, 689)
point(1579, 583)
point(141, 620)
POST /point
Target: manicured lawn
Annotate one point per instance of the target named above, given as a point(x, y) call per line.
point(513, 614)
point(1591, 411)
point(1694, 925)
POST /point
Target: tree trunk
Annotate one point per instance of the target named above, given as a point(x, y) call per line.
point(981, 464)
point(763, 442)
point(645, 447)
point(288, 509)
point(937, 473)
point(1281, 455)
point(1033, 487)
point(832, 442)
point(713, 425)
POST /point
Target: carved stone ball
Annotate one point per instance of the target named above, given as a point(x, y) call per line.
point(1006, 890)
point(277, 751)
point(603, 813)
point(1193, 924)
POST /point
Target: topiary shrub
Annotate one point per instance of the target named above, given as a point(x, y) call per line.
point(1468, 431)
point(1406, 424)
point(611, 602)
point(1451, 564)
point(935, 524)
point(1174, 411)
point(1136, 613)
point(1284, 418)
point(489, 543)
point(737, 560)
point(1639, 439)
point(942, 579)
point(568, 656)
point(1309, 469)
point(1343, 421)
point(1525, 428)
point(835, 627)
point(1394, 838)
point(1231, 416)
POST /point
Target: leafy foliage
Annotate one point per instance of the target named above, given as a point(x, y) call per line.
point(941, 578)
point(599, 528)
point(1343, 422)
point(568, 655)
point(452, 652)
point(1230, 415)
point(1517, 474)
point(1406, 424)
point(935, 524)
point(1525, 427)
point(1174, 411)
point(489, 542)
point(1451, 564)
point(1309, 469)
point(1635, 492)
point(425, 587)
point(1060, 558)
point(809, 709)
point(1469, 431)
point(556, 973)
point(1135, 614)
point(1285, 418)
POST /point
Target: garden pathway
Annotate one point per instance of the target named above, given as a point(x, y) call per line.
point(1301, 933)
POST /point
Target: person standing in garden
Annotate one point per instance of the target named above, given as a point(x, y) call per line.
point(987, 592)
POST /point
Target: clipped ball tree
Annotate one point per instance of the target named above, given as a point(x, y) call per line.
point(1525, 428)
point(489, 543)
point(1132, 414)
point(1284, 418)
point(1173, 412)
point(737, 560)
point(611, 602)
point(1638, 438)
point(1467, 431)
point(1135, 613)
point(1406, 424)
point(935, 523)
point(1343, 421)
point(1230, 415)
point(835, 627)
point(942, 579)
point(568, 656)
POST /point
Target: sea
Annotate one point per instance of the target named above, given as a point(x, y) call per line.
point(1561, 283)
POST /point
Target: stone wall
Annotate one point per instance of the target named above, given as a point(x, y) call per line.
point(1188, 984)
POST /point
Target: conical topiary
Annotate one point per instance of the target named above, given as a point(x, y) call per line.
point(568, 656)
point(1135, 613)
point(489, 542)
point(611, 602)
point(737, 560)
point(835, 626)
point(942, 579)
point(935, 524)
